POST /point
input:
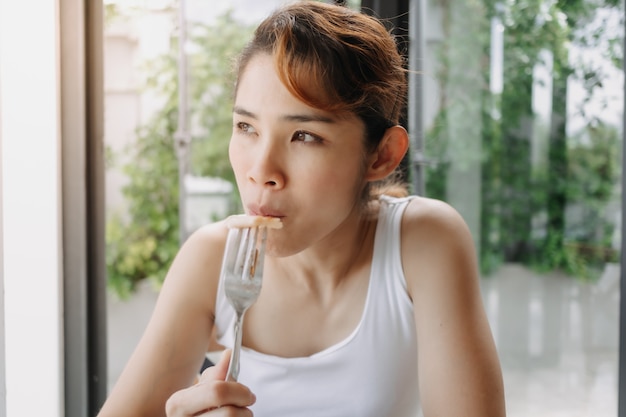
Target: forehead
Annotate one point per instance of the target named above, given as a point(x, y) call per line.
point(297, 76)
point(259, 67)
point(260, 90)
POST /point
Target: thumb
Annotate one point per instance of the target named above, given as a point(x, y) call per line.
point(220, 369)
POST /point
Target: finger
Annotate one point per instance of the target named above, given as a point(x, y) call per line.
point(227, 411)
point(219, 370)
point(208, 395)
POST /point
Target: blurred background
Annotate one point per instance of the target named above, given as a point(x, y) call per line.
point(515, 115)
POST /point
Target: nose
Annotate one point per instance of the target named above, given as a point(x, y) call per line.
point(266, 168)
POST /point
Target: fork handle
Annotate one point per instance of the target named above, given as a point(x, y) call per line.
point(233, 366)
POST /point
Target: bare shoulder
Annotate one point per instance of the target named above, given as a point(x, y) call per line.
point(436, 244)
point(206, 243)
point(196, 267)
point(189, 292)
point(434, 222)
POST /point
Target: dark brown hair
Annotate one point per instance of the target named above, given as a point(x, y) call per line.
point(337, 60)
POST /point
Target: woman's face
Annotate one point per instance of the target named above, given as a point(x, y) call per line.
point(294, 161)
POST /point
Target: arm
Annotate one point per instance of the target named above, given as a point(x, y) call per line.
point(170, 352)
point(459, 371)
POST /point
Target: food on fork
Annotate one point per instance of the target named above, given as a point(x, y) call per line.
point(240, 221)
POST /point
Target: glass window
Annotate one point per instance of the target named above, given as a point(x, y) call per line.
point(522, 111)
point(523, 108)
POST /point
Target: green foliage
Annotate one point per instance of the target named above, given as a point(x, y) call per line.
point(111, 13)
point(594, 166)
point(436, 144)
point(550, 213)
point(212, 90)
point(142, 243)
point(143, 246)
point(594, 170)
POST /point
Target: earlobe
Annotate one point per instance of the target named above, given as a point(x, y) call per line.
point(389, 154)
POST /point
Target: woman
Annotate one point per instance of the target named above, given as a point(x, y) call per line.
point(370, 303)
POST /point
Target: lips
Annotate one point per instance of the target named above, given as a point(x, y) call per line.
point(260, 210)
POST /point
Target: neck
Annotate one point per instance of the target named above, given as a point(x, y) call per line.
point(325, 266)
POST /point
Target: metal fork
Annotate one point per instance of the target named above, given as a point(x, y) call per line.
point(242, 273)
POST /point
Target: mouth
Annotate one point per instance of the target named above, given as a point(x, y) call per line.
point(255, 210)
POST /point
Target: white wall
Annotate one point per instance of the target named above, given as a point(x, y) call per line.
point(30, 226)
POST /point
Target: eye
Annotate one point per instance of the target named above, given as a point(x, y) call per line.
point(245, 128)
point(306, 137)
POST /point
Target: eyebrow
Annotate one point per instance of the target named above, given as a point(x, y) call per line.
point(288, 117)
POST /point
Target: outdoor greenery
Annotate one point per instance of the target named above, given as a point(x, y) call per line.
point(543, 202)
point(142, 243)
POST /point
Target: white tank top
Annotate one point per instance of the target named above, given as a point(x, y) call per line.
point(373, 372)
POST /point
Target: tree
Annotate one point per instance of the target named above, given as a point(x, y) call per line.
point(142, 244)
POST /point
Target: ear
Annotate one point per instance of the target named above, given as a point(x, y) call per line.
point(388, 155)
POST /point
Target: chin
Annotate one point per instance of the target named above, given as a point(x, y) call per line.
point(280, 249)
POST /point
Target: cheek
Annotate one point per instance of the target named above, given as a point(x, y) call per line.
point(232, 154)
point(342, 178)
point(236, 158)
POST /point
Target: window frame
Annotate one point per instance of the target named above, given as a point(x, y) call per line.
point(83, 214)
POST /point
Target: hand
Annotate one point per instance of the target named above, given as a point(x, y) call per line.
point(212, 395)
